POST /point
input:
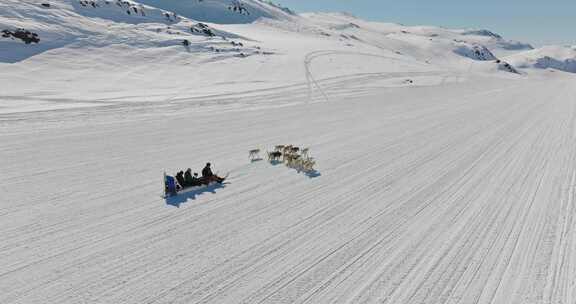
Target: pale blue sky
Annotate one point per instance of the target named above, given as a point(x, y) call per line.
point(537, 22)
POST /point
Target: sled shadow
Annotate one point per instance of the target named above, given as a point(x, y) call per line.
point(256, 160)
point(182, 198)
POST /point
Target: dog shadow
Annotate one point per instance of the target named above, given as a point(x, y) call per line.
point(275, 162)
point(182, 198)
point(312, 174)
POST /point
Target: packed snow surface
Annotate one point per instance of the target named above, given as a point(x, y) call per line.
point(439, 177)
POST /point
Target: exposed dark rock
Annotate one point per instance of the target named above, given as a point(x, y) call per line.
point(22, 34)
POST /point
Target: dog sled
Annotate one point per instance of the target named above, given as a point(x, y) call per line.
point(173, 189)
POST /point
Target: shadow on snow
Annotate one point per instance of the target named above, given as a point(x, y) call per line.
point(312, 174)
point(183, 197)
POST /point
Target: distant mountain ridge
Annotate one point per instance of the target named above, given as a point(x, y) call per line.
point(31, 27)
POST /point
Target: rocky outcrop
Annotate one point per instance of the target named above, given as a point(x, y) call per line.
point(22, 34)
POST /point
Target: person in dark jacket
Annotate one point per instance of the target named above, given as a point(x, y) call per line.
point(180, 179)
point(208, 176)
point(207, 172)
point(188, 180)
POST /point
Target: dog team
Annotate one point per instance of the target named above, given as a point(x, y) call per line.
point(292, 156)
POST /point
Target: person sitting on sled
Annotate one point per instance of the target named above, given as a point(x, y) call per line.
point(171, 187)
point(208, 176)
point(196, 181)
point(188, 180)
point(180, 179)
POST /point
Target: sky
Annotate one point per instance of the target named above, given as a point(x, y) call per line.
point(538, 22)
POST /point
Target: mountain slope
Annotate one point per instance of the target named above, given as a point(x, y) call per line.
point(97, 52)
point(548, 57)
point(96, 23)
point(223, 11)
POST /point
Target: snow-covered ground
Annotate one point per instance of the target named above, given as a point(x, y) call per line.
point(442, 176)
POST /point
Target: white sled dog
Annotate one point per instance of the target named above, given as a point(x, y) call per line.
point(254, 154)
point(305, 152)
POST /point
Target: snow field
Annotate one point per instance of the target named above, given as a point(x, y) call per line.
point(442, 177)
point(455, 193)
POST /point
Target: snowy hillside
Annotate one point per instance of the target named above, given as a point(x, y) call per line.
point(224, 11)
point(95, 23)
point(94, 51)
point(548, 57)
point(432, 44)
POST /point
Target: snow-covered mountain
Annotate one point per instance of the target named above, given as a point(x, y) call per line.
point(95, 24)
point(84, 49)
point(561, 58)
point(224, 11)
point(446, 47)
point(99, 23)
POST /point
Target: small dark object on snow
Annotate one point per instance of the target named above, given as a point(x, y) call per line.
point(185, 42)
point(45, 4)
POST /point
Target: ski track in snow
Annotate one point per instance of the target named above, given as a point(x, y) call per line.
point(461, 193)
